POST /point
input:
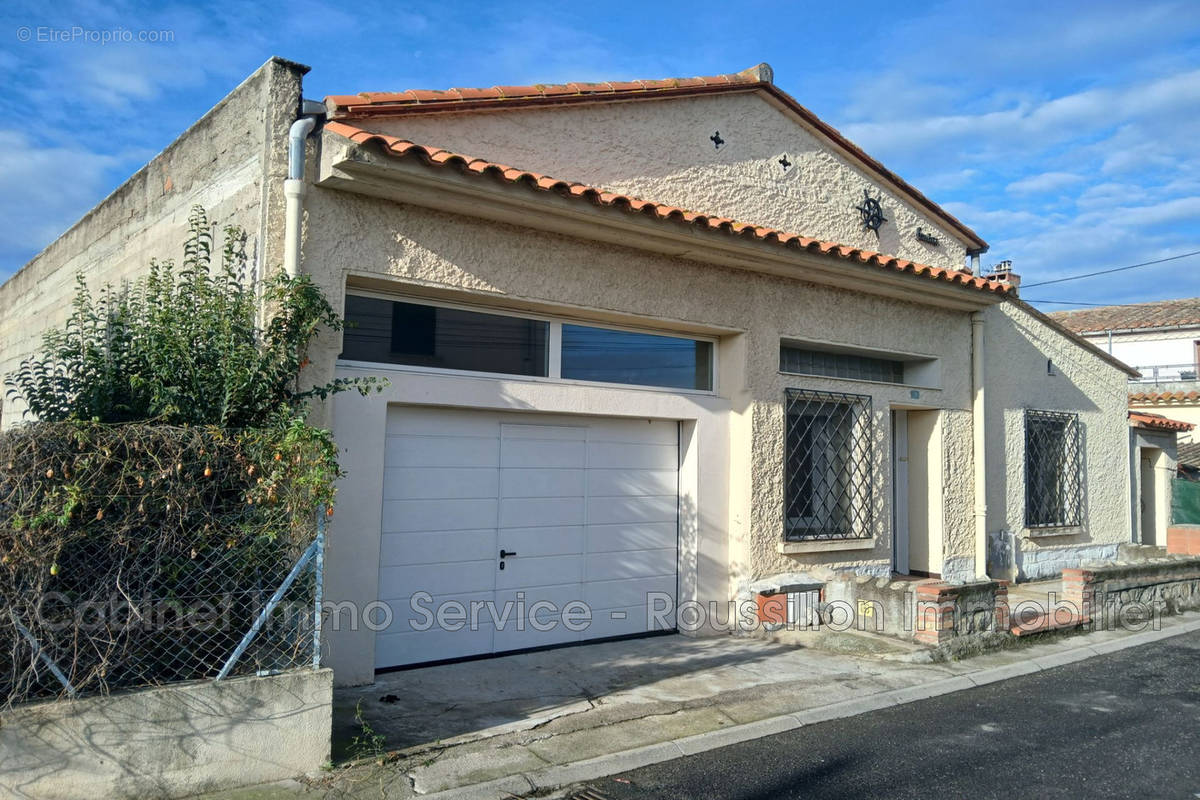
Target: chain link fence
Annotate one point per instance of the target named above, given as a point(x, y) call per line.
point(228, 613)
point(140, 556)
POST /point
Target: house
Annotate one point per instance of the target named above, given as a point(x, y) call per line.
point(1161, 340)
point(653, 347)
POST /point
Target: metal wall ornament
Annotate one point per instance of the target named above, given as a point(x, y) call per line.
point(871, 212)
point(717, 140)
point(927, 238)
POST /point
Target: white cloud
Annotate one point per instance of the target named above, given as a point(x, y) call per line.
point(1044, 182)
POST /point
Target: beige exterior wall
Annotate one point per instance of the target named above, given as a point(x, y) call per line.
point(660, 150)
point(735, 535)
point(1018, 346)
point(232, 161)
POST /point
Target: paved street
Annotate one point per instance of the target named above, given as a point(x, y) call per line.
point(1121, 725)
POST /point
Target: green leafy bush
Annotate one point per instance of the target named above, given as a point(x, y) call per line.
point(182, 346)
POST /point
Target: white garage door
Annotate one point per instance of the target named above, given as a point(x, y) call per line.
point(584, 509)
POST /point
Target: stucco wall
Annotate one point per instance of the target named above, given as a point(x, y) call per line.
point(1017, 347)
point(170, 741)
point(231, 161)
point(660, 150)
point(416, 250)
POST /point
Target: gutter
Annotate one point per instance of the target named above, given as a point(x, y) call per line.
point(294, 186)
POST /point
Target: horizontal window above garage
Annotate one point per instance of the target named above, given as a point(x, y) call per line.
point(445, 337)
point(833, 361)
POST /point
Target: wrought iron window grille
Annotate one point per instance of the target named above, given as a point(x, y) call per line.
point(1053, 469)
point(828, 491)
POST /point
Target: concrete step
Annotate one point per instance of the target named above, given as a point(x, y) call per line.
point(1044, 622)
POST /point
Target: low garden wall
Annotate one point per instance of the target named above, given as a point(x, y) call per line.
point(1116, 594)
point(170, 741)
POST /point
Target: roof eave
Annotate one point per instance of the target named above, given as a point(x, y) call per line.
point(348, 166)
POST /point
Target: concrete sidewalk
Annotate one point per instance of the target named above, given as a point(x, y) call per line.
point(525, 724)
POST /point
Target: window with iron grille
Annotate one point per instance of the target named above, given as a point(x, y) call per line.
point(1053, 479)
point(827, 469)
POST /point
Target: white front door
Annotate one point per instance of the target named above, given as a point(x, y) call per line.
point(522, 515)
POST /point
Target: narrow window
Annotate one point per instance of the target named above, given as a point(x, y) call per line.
point(611, 356)
point(806, 361)
point(827, 466)
point(1053, 480)
point(448, 338)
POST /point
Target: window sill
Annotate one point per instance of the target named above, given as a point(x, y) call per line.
point(1050, 533)
point(824, 546)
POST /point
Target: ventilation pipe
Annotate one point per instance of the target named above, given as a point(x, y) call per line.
point(294, 187)
point(979, 434)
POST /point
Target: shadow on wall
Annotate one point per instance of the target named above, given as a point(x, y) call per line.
point(1021, 352)
point(169, 741)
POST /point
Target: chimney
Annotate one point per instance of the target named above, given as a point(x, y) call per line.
point(1003, 273)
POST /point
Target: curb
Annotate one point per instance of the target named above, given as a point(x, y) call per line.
point(560, 775)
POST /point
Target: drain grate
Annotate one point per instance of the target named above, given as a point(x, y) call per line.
point(588, 793)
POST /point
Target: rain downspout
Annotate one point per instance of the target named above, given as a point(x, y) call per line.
point(294, 187)
point(978, 424)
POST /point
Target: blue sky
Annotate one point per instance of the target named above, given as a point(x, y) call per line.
point(1067, 134)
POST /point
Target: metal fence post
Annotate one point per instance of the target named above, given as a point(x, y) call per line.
point(266, 612)
point(40, 653)
point(319, 589)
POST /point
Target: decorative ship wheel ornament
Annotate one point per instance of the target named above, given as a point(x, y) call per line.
point(871, 212)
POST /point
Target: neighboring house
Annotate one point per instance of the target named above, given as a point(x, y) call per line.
point(1154, 459)
point(720, 348)
point(1161, 340)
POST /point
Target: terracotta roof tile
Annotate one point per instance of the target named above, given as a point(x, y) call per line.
point(402, 148)
point(1158, 421)
point(1134, 316)
point(1163, 398)
point(757, 78)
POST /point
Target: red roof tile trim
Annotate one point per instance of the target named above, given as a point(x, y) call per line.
point(1158, 421)
point(1154, 398)
point(415, 101)
point(402, 148)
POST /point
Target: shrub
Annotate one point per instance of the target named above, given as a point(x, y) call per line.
point(182, 347)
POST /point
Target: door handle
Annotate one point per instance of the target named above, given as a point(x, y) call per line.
point(507, 553)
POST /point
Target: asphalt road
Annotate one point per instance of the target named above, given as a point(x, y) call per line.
point(1121, 725)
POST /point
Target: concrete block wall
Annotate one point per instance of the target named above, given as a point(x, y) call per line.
point(232, 161)
point(170, 741)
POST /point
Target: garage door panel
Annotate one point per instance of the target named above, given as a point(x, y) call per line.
point(632, 536)
point(624, 455)
point(398, 649)
point(426, 421)
point(436, 483)
point(605, 595)
point(543, 453)
point(540, 512)
point(608, 510)
point(511, 431)
point(535, 482)
point(636, 430)
point(530, 542)
point(409, 614)
point(513, 639)
point(634, 564)
point(560, 596)
point(442, 451)
point(588, 505)
point(625, 622)
point(623, 482)
point(402, 516)
point(539, 571)
point(400, 549)
point(459, 577)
